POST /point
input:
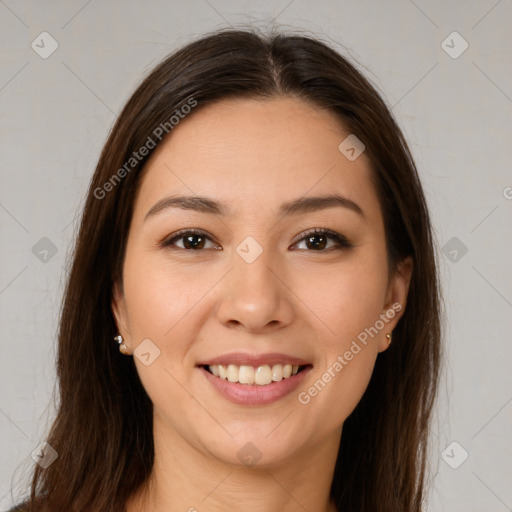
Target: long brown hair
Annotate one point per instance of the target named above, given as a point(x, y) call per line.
point(103, 428)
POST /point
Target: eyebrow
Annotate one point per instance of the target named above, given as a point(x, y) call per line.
point(210, 206)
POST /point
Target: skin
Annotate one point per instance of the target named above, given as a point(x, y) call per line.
point(312, 303)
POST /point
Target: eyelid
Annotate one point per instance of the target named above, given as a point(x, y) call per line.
point(341, 241)
point(167, 242)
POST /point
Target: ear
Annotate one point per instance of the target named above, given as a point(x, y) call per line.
point(396, 299)
point(119, 311)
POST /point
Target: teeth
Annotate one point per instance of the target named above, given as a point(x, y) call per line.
point(277, 372)
point(245, 375)
point(232, 373)
point(261, 375)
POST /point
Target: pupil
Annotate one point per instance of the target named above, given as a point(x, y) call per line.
point(189, 241)
point(320, 245)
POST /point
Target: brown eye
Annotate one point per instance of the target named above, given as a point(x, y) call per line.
point(318, 239)
point(192, 240)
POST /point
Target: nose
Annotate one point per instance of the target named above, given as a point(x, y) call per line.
point(256, 296)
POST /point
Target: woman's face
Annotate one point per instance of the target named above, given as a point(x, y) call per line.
point(256, 289)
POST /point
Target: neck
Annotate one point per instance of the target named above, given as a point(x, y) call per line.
point(187, 478)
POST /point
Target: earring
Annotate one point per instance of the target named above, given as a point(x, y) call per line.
point(388, 336)
point(122, 345)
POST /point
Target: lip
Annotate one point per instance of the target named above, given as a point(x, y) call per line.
point(243, 358)
point(252, 394)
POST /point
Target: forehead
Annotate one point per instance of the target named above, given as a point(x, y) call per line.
point(249, 152)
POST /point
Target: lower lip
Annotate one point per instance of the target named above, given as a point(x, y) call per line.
point(252, 394)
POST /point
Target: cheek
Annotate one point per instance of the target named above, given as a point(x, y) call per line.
point(347, 298)
point(349, 351)
point(346, 386)
point(161, 295)
point(162, 307)
point(339, 382)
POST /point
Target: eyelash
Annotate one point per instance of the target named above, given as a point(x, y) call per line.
point(341, 240)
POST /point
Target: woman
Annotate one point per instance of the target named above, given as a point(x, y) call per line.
point(252, 316)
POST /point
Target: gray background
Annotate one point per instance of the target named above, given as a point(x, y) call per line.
point(455, 112)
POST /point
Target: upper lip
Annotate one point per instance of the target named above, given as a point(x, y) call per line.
point(245, 359)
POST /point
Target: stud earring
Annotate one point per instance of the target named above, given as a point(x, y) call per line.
point(122, 345)
point(388, 336)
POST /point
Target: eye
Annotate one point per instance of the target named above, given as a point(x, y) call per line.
point(193, 240)
point(317, 240)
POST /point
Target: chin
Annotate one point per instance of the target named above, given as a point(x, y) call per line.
point(253, 450)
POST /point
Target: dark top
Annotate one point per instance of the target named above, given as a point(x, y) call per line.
point(19, 508)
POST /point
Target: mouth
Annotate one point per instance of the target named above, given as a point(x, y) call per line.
point(262, 375)
point(254, 379)
point(255, 384)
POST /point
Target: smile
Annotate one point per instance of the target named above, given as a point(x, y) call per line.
point(260, 375)
point(264, 390)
